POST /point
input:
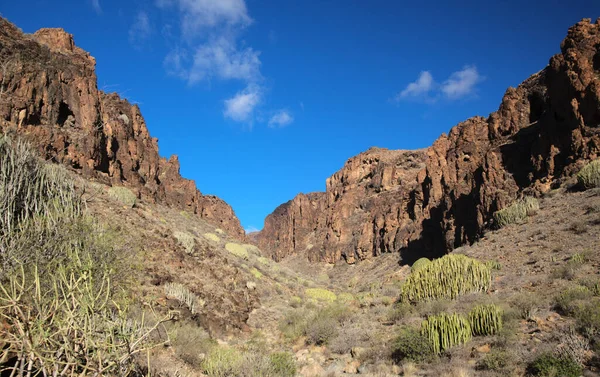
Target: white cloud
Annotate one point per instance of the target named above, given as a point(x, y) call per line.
point(199, 15)
point(140, 30)
point(251, 229)
point(221, 59)
point(96, 6)
point(422, 86)
point(175, 63)
point(461, 83)
point(281, 119)
point(240, 107)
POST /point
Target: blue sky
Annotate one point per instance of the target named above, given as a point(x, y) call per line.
point(263, 99)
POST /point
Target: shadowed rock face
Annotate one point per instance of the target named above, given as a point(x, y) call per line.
point(543, 132)
point(49, 93)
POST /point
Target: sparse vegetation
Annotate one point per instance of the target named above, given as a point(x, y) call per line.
point(256, 273)
point(411, 345)
point(549, 365)
point(571, 299)
point(589, 176)
point(517, 212)
point(446, 330)
point(448, 277)
point(320, 294)
point(72, 319)
point(497, 361)
point(186, 240)
point(212, 237)
point(237, 249)
point(223, 362)
point(123, 195)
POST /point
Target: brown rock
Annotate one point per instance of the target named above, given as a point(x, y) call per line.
point(49, 94)
point(425, 203)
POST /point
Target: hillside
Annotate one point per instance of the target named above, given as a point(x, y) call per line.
point(432, 201)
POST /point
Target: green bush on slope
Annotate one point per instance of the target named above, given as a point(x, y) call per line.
point(517, 212)
point(589, 176)
point(71, 319)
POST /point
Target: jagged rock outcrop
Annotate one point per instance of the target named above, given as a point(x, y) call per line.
point(543, 132)
point(49, 93)
point(355, 218)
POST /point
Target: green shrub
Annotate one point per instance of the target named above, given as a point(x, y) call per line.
point(485, 320)
point(190, 341)
point(589, 176)
point(256, 273)
point(420, 263)
point(588, 319)
point(497, 361)
point(223, 362)
point(526, 304)
point(446, 330)
point(186, 240)
point(282, 364)
point(211, 237)
point(345, 297)
point(549, 365)
point(295, 302)
point(237, 250)
point(264, 261)
point(517, 212)
point(123, 195)
point(320, 294)
point(448, 277)
point(571, 299)
point(323, 326)
point(293, 325)
point(410, 345)
point(399, 311)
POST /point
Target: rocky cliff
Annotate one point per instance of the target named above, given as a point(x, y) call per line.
point(428, 202)
point(49, 93)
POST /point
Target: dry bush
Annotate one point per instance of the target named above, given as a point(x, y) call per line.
point(589, 176)
point(123, 195)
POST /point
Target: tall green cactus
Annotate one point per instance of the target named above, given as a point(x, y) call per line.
point(446, 330)
point(419, 264)
point(448, 277)
point(486, 319)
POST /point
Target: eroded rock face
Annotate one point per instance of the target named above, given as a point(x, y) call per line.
point(49, 93)
point(359, 216)
point(543, 132)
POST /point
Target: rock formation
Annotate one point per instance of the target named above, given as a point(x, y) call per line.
point(49, 93)
point(543, 132)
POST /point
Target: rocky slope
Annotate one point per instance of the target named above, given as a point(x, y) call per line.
point(381, 201)
point(49, 92)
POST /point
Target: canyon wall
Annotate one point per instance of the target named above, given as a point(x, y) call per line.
point(49, 94)
point(425, 203)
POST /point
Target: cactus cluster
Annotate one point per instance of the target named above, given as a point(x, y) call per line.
point(419, 264)
point(517, 212)
point(589, 176)
point(184, 295)
point(446, 278)
point(485, 320)
point(446, 330)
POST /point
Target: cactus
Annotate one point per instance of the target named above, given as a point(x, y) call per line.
point(517, 212)
point(448, 277)
point(446, 330)
point(589, 176)
point(184, 295)
point(485, 319)
point(420, 263)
